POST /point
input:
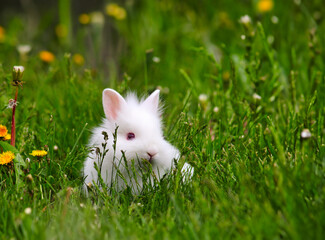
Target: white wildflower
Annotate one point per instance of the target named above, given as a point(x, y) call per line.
point(18, 69)
point(11, 103)
point(24, 49)
point(245, 20)
point(270, 39)
point(97, 18)
point(203, 97)
point(305, 133)
point(156, 59)
point(274, 19)
point(28, 210)
point(256, 96)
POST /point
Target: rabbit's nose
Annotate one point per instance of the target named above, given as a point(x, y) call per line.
point(151, 154)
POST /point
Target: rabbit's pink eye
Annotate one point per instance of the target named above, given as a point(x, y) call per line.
point(130, 136)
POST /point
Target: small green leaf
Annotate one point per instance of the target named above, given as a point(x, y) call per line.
point(7, 147)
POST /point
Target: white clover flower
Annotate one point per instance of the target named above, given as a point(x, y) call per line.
point(245, 20)
point(55, 148)
point(305, 133)
point(256, 96)
point(216, 109)
point(28, 210)
point(24, 49)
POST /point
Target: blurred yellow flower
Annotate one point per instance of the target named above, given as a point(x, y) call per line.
point(84, 18)
point(46, 56)
point(7, 137)
point(115, 11)
point(265, 5)
point(61, 31)
point(78, 59)
point(3, 131)
point(226, 75)
point(6, 157)
point(2, 34)
point(225, 20)
point(38, 153)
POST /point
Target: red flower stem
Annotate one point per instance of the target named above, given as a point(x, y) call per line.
point(13, 124)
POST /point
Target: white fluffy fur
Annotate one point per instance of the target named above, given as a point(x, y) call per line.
point(141, 118)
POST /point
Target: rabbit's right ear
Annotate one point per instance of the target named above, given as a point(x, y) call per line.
point(112, 103)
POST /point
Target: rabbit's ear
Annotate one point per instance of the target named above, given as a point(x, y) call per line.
point(112, 103)
point(152, 102)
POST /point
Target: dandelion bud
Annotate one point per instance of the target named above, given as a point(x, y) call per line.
point(203, 100)
point(89, 185)
point(17, 73)
point(29, 177)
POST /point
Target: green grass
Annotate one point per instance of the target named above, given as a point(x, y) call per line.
point(255, 177)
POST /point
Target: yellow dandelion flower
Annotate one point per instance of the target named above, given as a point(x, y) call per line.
point(2, 34)
point(38, 153)
point(265, 5)
point(46, 56)
point(78, 59)
point(115, 11)
point(7, 137)
point(6, 157)
point(3, 131)
point(84, 18)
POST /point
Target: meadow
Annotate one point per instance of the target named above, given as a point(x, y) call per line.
point(243, 88)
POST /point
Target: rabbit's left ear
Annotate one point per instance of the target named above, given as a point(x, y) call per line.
point(113, 102)
point(152, 102)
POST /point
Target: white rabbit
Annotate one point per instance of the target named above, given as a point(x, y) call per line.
point(139, 138)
